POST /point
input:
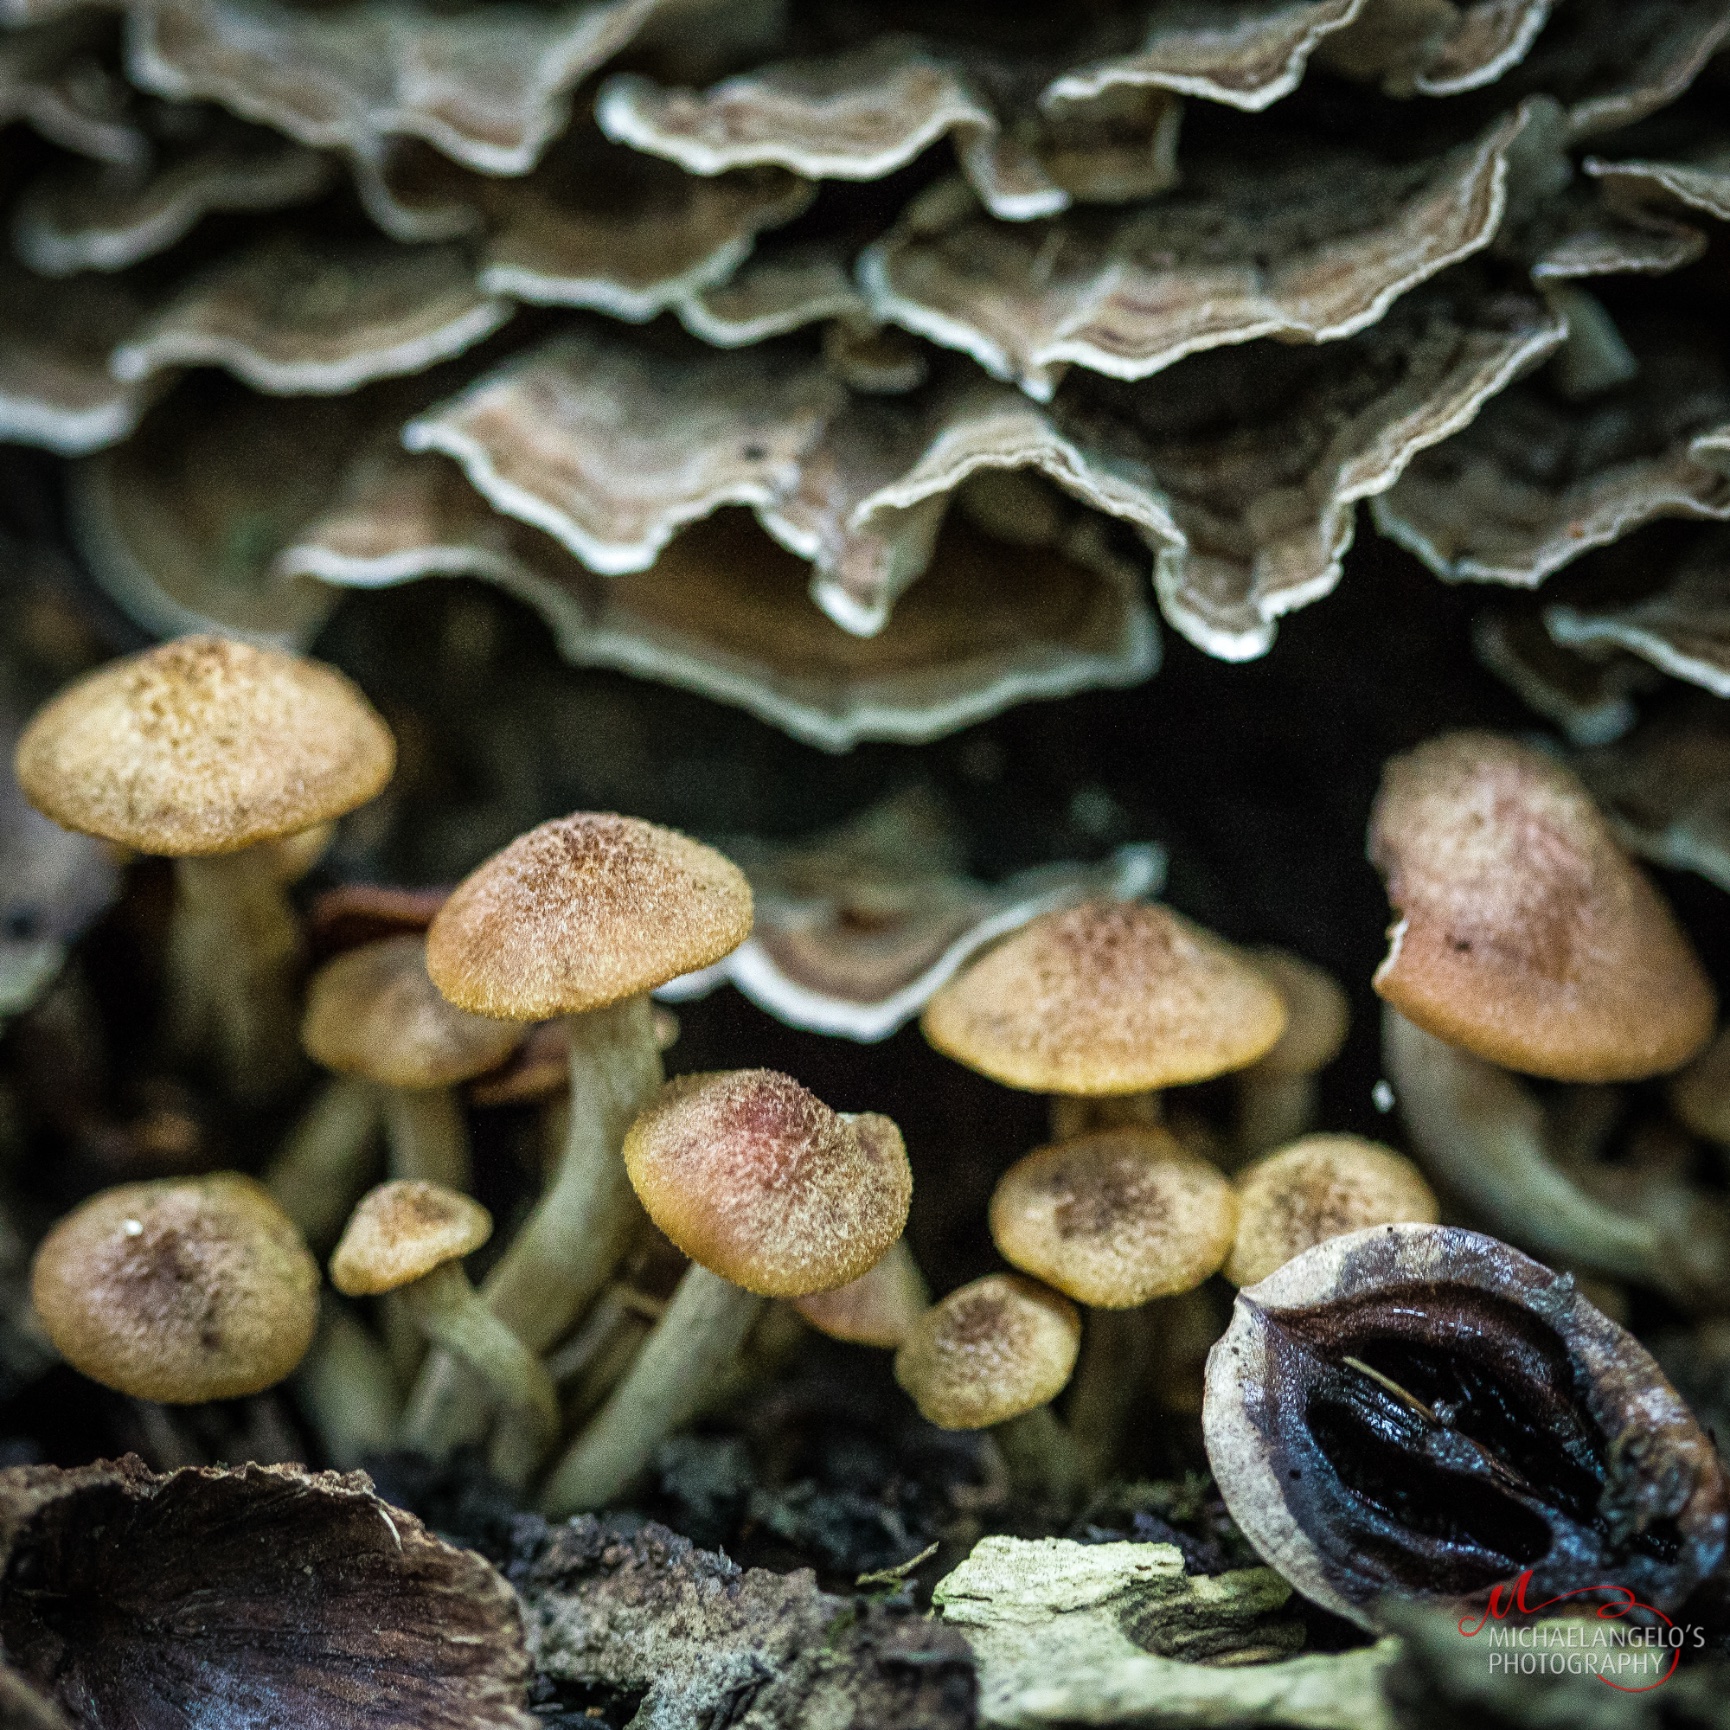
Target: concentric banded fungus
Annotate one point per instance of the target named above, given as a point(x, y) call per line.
point(409, 1237)
point(1115, 1218)
point(581, 917)
point(1525, 933)
point(1104, 999)
point(185, 1290)
point(258, 1594)
point(201, 749)
point(375, 1014)
point(879, 1308)
point(1320, 1187)
point(1422, 1412)
point(1276, 1095)
point(771, 1194)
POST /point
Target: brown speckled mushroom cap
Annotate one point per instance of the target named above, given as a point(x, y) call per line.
point(204, 745)
point(880, 1308)
point(581, 912)
point(374, 1012)
point(1317, 1014)
point(183, 1290)
point(1108, 997)
point(989, 1351)
point(1320, 1187)
point(1115, 1218)
point(1526, 935)
point(756, 1178)
point(400, 1231)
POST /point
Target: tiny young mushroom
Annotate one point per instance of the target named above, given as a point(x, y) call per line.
point(771, 1194)
point(1319, 1187)
point(994, 1355)
point(1529, 941)
point(409, 1237)
point(580, 918)
point(1276, 1095)
point(1114, 1219)
point(1417, 1412)
point(1106, 1002)
point(182, 1290)
point(879, 1308)
point(374, 1013)
point(202, 749)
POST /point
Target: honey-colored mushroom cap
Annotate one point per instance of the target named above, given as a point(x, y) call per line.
point(1115, 1218)
point(989, 1351)
point(880, 1308)
point(1108, 997)
point(756, 1178)
point(204, 745)
point(1320, 1187)
point(182, 1290)
point(402, 1230)
point(374, 1012)
point(1318, 1016)
point(1526, 935)
point(581, 912)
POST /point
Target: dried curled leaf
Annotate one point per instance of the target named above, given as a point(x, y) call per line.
point(856, 928)
point(1284, 237)
point(1536, 480)
point(263, 1594)
point(55, 387)
point(1682, 627)
point(292, 315)
point(84, 218)
point(489, 85)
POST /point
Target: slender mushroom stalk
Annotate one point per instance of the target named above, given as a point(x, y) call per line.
point(373, 1013)
point(1115, 1220)
point(993, 1355)
point(321, 1170)
point(345, 1387)
point(582, 918)
point(771, 1194)
point(182, 1291)
point(880, 1308)
point(1276, 1095)
point(203, 750)
point(408, 1237)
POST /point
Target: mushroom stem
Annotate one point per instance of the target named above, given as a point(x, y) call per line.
point(1481, 1134)
point(1073, 1114)
point(321, 1169)
point(234, 956)
point(1272, 1109)
point(697, 1337)
point(449, 1311)
point(345, 1387)
point(427, 1136)
point(570, 1243)
point(1044, 1462)
point(1108, 1386)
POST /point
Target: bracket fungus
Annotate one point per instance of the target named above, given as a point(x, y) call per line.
point(1420, 1412)
point(771, 1194)
point(183, 1290)
point(201, 750)
point(266, 1594)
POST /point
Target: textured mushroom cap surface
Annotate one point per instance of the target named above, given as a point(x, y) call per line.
point(204, 745)
point(1320, 1187)
point(1318, 1015)
point(401, 1231)
point(581, 912)
point(1107, 997)
point(989, 1351)
point(375, 1012)
point(879, 1308)
point(1115, 1218)
point(183, 1290)
point(1526, 935)
point(756, 1178)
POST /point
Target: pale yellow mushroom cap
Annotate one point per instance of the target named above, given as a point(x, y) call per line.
point(1526, 935)
point(756, 1178)
point(183, 1290)
point(374, 1012)
point(401, 1231)
point(204, 745)
point(582, 912)
point(1108, 997)
point(1320, 1187)
point(1115, 1218)
point(990, 1351)
point(1318, 1016)
point(879, 1308)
